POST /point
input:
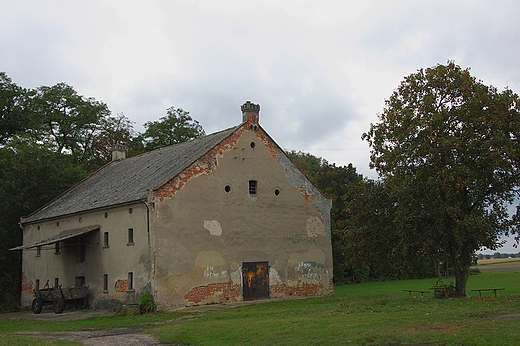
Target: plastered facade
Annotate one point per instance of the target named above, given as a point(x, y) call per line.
point(116, 260)
point(206, 224)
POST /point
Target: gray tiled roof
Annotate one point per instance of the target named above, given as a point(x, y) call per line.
point(128, 180)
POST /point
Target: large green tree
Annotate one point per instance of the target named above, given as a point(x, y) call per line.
point(176, 127)
point(67, 121)
point(13, 113)
point(447, 146)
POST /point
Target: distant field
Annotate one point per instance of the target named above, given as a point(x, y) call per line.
point(497, 261)
point(499, 264)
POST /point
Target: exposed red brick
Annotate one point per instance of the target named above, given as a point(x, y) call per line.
point(309, 198)
point(27, 285)
point(225, 291)
point(204, 165)
point(207, 163)
point(275, 151)
point(269, 144)
point(302, 289)
point(121, 286)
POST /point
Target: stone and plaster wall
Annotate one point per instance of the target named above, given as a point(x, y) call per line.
point(206, 224)
point(117, 259)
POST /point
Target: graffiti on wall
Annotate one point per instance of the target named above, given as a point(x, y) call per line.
point(298, 239)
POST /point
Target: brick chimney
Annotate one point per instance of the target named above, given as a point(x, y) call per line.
point(118, 152)
point(250, 113)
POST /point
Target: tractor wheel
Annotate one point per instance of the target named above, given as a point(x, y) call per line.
point(37, 305)
point(58, 305)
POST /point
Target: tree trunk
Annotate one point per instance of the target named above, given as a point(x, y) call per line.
point(461, 271)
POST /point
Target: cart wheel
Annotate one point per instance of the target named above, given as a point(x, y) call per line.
point(58, 305)
point(37, 305)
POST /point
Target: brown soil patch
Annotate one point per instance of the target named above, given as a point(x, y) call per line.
point(494, 268)
point(105, 337)
point(111, 337)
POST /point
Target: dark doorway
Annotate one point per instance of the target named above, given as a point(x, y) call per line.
point(255, 278)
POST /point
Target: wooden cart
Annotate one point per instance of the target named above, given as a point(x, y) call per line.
point(58, 297)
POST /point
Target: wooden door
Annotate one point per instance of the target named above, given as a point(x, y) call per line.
point(255, 279)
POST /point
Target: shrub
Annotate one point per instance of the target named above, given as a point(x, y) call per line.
point(442, 290)
point(147, 303)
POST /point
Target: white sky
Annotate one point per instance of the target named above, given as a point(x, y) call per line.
point(320, 70)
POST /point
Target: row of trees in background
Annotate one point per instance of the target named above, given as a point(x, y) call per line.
point(50, 139)
point(498, 255)
point(446, 149)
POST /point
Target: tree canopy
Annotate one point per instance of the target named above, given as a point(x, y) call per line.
point(176, 127)
point(13, 103)
point(66, 120)
point(447, 147)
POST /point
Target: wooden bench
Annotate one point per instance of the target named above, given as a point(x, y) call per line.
point(417, 291)
point(488, 289)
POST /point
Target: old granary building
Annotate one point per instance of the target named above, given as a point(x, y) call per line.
point(222, 218)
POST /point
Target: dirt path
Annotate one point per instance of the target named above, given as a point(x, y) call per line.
point(105, 337)
point(109, 337)
point(101, 337)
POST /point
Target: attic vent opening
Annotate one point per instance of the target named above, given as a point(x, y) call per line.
point(253, 187)
point(253, 145)
point(227, 188)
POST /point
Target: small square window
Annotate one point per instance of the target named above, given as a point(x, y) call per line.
point(57, 248)
point(253, 186)
point(105, 239)
point(130, 236)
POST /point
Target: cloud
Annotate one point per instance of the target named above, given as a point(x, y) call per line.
point(319, 70)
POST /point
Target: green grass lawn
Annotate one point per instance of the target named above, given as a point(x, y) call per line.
point(377, 313)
